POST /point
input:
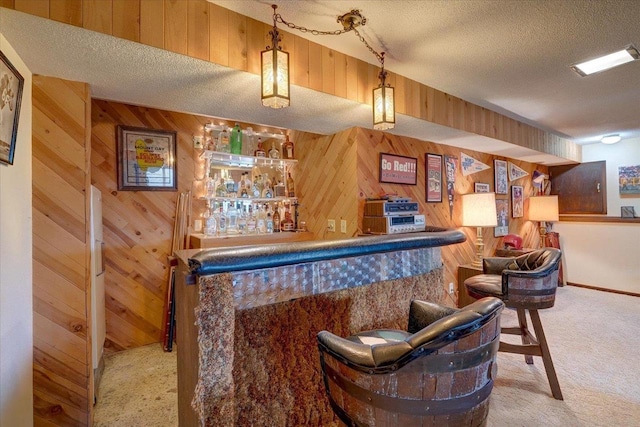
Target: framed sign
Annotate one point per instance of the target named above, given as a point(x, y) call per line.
point(11, 84)
point(501, 184)
point(398, 169)
point(517, 201)
point(502, 213)
point(481, 187)
point(146, 159)
point(433, 183)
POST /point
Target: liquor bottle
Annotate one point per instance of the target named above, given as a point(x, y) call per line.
point(291, 192)
point(248, 141)
point(287, 149)
point(210, 186)
point(276, 219)
point(242, 219)
point(222, 221)
point(274, 153)
point(260, 149)
point(232, 218)
point(261, 223)
point(221, 189)
point(236, 140)
point(251, 221)
point(210, 225)
point(287, 223)
point(269, 222)
point(230, 185)
point(267, 190)
point(223, 141)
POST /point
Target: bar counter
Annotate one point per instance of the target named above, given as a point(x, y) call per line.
point(247, 319)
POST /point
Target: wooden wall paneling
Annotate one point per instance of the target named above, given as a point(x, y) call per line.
point(340, 74)
point(97, 15)
point(175, 26)
point(61, 254)
point(399, 90)
point(363, 81)
point(315, 66)
point(67, 11)
point(151, 23)
point(9, 4)
point(126, 19)
point(328, 71)
point(33, 7)
point(198, 29)
point(352, 78)
point(218, 34)
point(257, 41)
point(300, 62)
point(237, 41)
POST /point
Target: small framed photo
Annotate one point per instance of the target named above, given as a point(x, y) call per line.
point(11, 84)
point(481, 187)
point(517, 201)
point(501, 182)
point(146, 159)
point(627, 212)
point(433, 178)
point(502, 214)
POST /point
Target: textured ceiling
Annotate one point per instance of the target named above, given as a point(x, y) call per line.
point(510, 56)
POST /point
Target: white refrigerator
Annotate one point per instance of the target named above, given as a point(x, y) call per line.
point(98, 321)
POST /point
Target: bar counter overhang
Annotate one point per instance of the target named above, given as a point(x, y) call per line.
point(247, 319)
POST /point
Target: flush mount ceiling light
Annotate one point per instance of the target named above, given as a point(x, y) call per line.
point(602, 63)
point(275, 69)
point(610, 139)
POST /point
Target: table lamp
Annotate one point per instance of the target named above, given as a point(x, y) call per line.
point(479, 210)
point(543, 209)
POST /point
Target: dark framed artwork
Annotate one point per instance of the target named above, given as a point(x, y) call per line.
point(481, 187)
point(502, 215)
point(396, 169)
point(146, 159)
point(517, 201)
point(433, 177)
point(11, 85)
point(501, 182)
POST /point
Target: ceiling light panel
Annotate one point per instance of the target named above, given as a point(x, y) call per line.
point(606, 62)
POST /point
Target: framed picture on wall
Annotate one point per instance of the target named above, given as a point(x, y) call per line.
point(11, 84)
point(517, 201)
point(502, 214)
point(481, 187)
point(146, 159)
point(396, 169)
point(501, 182)
point(433, 177)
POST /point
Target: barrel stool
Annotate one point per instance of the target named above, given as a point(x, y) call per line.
point(438, 372)
point(527, 283)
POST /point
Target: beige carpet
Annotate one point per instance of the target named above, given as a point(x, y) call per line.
point(595, 343)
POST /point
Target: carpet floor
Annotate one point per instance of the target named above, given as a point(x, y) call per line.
point(593, 337)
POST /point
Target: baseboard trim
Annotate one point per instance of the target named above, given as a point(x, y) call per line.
point(597, 288)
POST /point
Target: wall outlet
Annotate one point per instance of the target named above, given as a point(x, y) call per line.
point(343, 225)
point(331, 225)
point(197, 142)
point(451, 288)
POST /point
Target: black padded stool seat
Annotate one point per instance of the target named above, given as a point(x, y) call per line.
point(527, 283)
point(438, 372)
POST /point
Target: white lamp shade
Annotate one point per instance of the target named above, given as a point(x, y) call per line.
point(479, 210)
point(543, 208)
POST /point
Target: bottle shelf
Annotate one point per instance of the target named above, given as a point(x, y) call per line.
point(229, 160)
point(249, 199)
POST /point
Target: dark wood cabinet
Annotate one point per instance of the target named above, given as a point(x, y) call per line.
point(464, 272)
point(581, 189)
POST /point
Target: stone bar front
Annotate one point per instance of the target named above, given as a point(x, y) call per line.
point(247, 319)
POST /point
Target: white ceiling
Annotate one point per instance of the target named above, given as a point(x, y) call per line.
point(510, 56)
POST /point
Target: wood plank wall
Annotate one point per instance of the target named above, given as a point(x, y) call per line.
point(209, 32)
point(63, 377)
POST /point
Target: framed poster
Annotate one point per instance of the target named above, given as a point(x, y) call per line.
point(500, 171)
point(502, 213)
point(517, 201)
point(433, 177)
point(146, 159)
point(629, 179)
point(11, 84)
point(481, 187)
point(398, 169)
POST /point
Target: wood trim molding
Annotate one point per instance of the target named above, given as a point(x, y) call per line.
point(235, 41)
point(597, 288)
point(598, 218)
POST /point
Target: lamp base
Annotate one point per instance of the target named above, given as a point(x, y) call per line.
point(477, 262)
point(543, 233)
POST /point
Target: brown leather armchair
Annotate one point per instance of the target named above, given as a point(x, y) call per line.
point(441, 369)
point(527, 283)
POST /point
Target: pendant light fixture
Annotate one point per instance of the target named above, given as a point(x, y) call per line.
point(274, 63)
point(275, 69)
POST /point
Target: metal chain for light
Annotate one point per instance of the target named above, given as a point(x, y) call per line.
point(348, 27)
